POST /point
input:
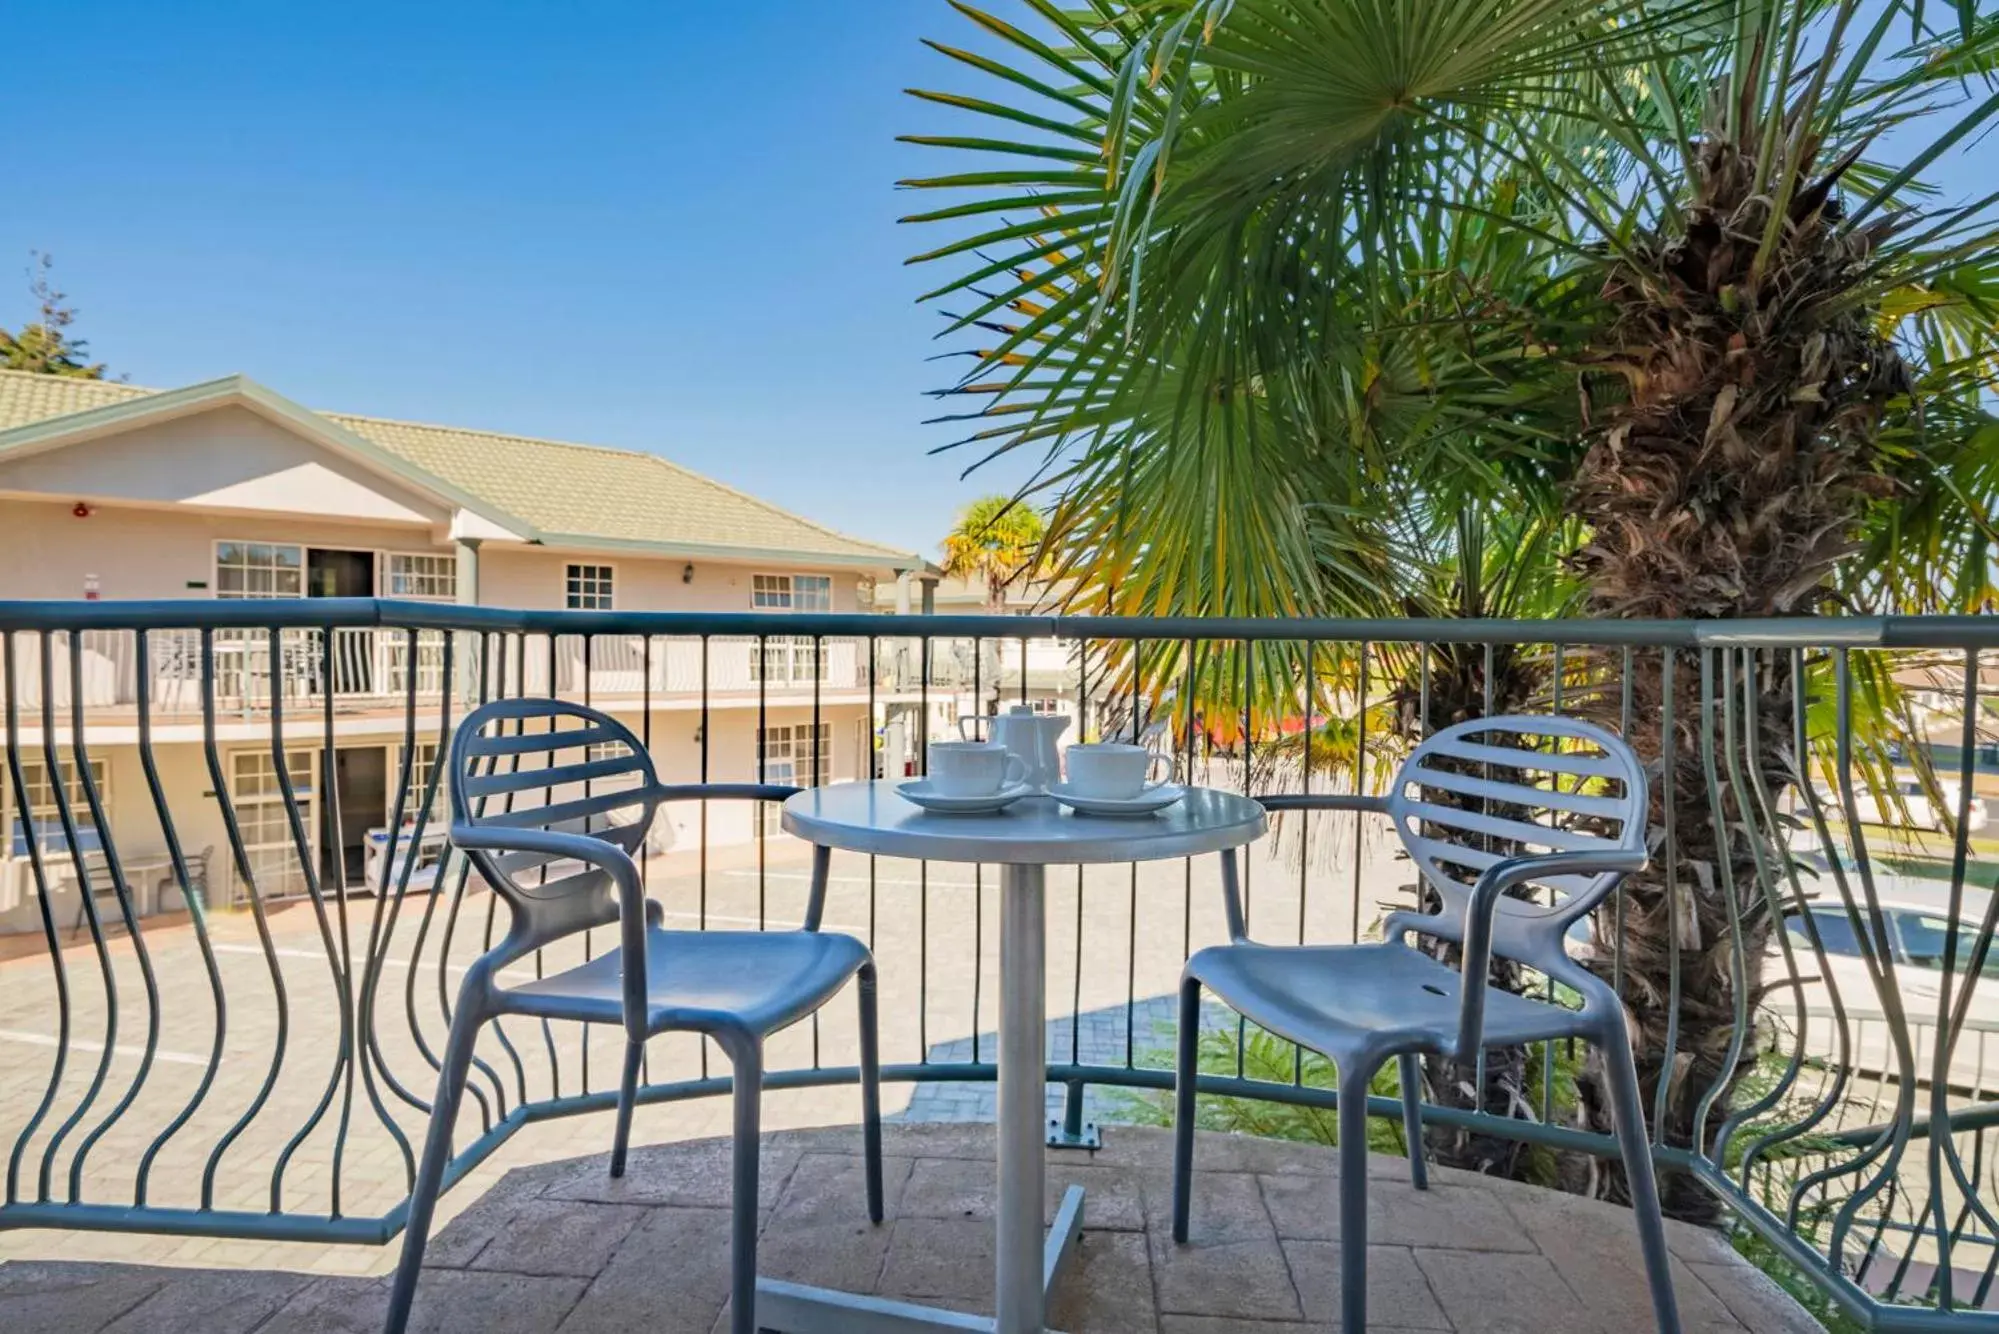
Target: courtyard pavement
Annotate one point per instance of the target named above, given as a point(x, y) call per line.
point(560, 1246)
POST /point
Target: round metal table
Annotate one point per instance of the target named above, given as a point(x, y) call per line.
point(1023, 840)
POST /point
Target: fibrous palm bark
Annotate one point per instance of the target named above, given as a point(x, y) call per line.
point(1726, 480)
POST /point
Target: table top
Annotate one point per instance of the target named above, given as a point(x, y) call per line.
point(1035, 831)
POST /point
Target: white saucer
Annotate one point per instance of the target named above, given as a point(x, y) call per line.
point(920, 792)
point(1145, 803)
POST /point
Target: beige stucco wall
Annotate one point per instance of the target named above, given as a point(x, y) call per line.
point(227, 457)
point(534, 579)
point(197, 816)
point(46, 551)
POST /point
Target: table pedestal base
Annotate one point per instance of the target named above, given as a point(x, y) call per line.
point(797, 1309)
point(1026, 1261)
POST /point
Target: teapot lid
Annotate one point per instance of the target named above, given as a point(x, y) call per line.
point(1021, 711)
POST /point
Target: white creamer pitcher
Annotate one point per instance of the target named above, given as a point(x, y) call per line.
point(1033, 737)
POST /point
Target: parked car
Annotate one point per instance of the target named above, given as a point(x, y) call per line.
point(1915, 927)
point(1915, 810)
point(1915, 917)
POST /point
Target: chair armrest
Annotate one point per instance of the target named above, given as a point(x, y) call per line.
point(1484, 905)
point(607, 857)
point(1331, 801)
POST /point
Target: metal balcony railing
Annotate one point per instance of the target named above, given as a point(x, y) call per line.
point(235, 930)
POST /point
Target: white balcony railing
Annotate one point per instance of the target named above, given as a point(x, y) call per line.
point(377, 667)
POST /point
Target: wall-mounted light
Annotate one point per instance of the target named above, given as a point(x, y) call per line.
point(687, 573)
point(80, 509)
point(699, 735)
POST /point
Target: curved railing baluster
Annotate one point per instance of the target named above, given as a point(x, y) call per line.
point(87, 897)
point(122, 889)
point(240, 854)
point(343, 1054)
point(197, 910)
point(17, 779)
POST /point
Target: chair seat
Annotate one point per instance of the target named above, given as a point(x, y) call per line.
point(703, 981)
point(1377, 998)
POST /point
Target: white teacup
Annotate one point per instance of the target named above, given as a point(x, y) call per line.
point(973, 768)
point(1112, 770)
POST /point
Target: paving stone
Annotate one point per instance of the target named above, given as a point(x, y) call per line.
point(559, 1237)
point(213, 1301)
point(1204, 1324)
point(458, 1242)
point(1397, 1292)
point(820, 1233)
point(913, 1141)
point(1497, 1293)
point(939, 1257)
point(833, 1187)
point(449, 1301)
point(1755, 1300)
point(1227, 1207)
point(965, 1188)
point(1561, 1210)
point(1244, 1279)
point(669, 1275)
point(1107, 1287)
point(1459, 1217)
point(1217, 1151)
point(1596, 1251)
point(690, 1176)
point(37, 1294)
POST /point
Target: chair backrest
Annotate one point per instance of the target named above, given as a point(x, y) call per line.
point(1492, 789)
point(550, 764)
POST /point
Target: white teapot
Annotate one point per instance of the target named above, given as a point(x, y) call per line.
point(1030, 735)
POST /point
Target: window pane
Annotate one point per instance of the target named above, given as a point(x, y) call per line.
point(257, 569)
point(811, 592)
point(1836, 932)
point(588, 587)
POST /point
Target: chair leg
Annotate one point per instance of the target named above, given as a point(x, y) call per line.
point(1411, 1069)
point(1627, 1106)
point(1186, 1069)
point(1354, 1077)
point(747, 1059)
point(871, 1091)
point(457, 1064)
point(628, 1092)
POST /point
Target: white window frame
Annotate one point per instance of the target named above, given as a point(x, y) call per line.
point(277, 851)
point(789, 735)
point(216, 566)
point(425, 757)
point(788, 659)
point(37, 800)
point(386, 574)
point(608, 576)
point(779, 592)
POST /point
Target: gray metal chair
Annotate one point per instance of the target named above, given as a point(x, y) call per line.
point(564, 865)
point(1483, 807)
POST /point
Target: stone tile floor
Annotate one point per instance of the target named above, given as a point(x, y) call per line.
point(559, 1246)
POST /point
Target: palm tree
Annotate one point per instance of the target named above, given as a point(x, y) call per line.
point(995, 541)
point(1246, 269)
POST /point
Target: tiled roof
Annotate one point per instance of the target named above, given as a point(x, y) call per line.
point(28, 398)
point(561, 490)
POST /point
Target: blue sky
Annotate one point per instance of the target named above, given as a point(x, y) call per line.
point(665, 226)
point(658, 226)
